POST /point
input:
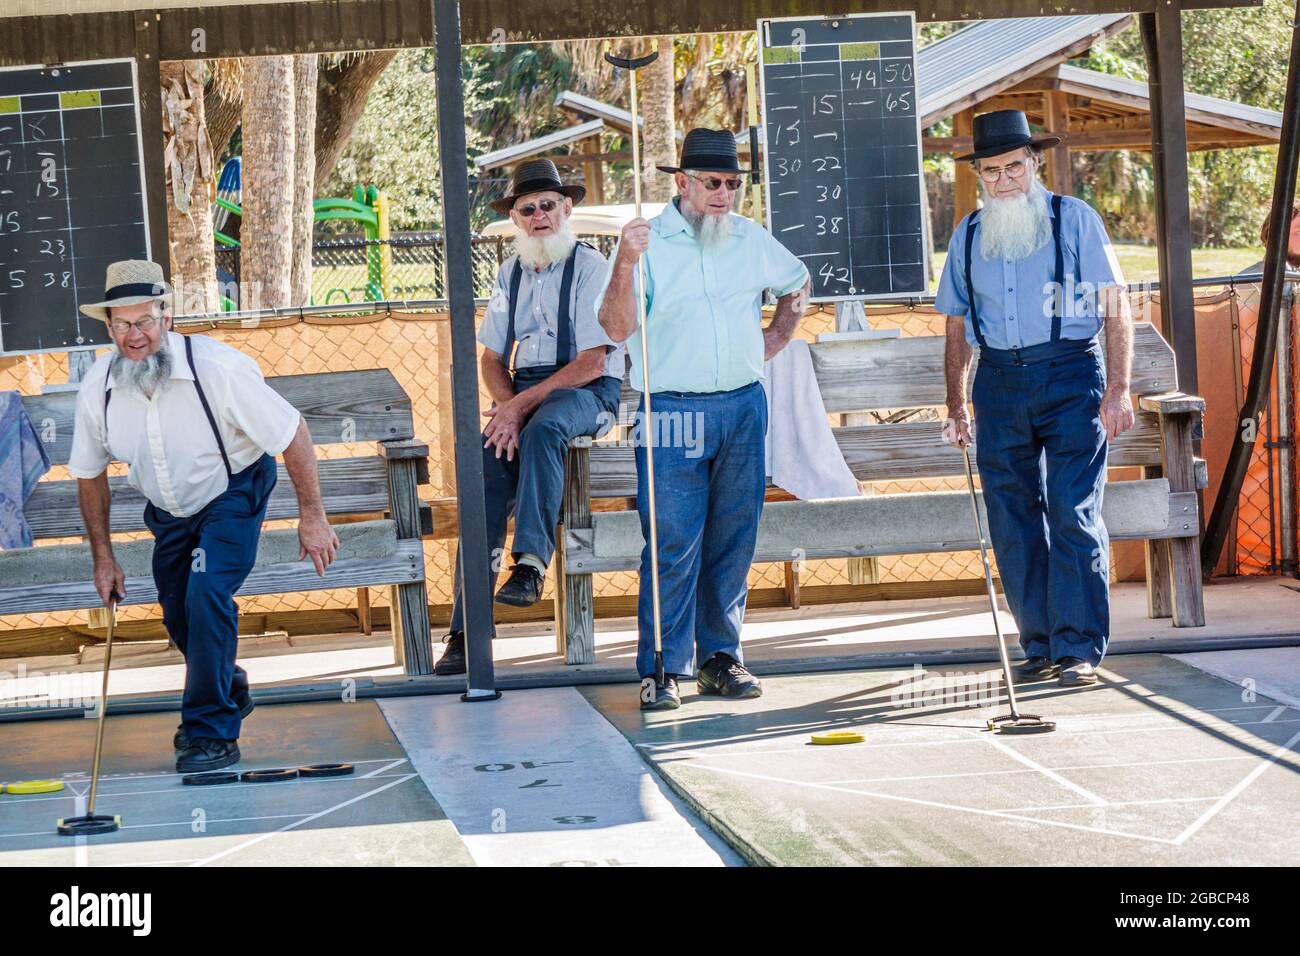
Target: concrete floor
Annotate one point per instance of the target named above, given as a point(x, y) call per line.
point(1160, 764)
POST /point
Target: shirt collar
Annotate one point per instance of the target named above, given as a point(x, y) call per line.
point(180, 367)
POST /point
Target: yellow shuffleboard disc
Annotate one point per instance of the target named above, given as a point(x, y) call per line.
point(35, 786)
point(838, 737)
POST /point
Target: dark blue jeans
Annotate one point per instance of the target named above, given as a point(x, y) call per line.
point(709, 484)
point(532, 486)
point(1041, 450)
point(199, 563)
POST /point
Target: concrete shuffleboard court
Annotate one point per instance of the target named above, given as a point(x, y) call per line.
point(380, 815)
point(1159, 764)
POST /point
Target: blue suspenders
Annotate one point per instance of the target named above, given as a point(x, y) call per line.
point(203, 400)
point(564, 335)
point(1058, 298)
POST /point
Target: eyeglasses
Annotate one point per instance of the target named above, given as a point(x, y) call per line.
point(711, 183)
point(546, 205)
point(991, 174)
point(122, 327)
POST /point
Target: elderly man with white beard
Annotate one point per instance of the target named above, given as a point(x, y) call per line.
point(1031, 278)
point(565, 384)
point(706, 272)
point(199, 429)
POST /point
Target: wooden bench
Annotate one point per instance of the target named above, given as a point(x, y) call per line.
point(896, 374)
point(380, 545)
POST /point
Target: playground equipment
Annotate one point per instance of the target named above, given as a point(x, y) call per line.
point(368, 206)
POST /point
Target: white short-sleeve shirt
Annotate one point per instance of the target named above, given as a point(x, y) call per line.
point(166, 439)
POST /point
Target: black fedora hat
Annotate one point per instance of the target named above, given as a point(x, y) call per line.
point(709, 151)
point(1001, 131)
point(535, 176)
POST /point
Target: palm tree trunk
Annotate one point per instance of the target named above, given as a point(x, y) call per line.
point(305, 70)
point(188, 160)
point(344, 87)
point(266, 236)
point(659, 144)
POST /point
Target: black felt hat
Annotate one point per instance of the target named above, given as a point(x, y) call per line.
point(535, 176)
point(1001, 131)
point(709, 151)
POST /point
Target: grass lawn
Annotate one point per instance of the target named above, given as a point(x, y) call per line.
point(1139, 262)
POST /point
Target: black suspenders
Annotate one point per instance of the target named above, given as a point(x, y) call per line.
point(203, 400)
point(564, 335)
point(1058, 298)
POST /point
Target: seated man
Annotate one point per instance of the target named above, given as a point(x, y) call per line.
point(566, 381)
point(199, 428)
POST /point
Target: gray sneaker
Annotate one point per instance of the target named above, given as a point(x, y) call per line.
point(1075, 672)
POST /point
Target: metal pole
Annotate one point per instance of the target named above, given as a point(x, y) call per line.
point(1261, 364)
point(473, 551)
point(1286, 438)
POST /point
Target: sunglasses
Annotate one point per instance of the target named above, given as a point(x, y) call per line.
point(712, 183)
point(546, 205)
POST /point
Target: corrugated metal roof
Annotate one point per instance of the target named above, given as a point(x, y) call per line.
point(979, 56)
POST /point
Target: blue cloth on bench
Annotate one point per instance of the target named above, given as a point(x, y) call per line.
point(23, 461)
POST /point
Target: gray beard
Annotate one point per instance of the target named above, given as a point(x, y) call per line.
point(1014, 228)
point(540, 252)
point(711, 231)
point(144, 376)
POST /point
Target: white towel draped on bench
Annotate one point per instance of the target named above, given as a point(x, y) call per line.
point(802, 455)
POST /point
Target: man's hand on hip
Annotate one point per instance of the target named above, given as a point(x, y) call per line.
point(317, 538)
point(1116, 412)
point(109, 579)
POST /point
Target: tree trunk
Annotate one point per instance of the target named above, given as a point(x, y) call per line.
point(223, 97)
point(340, 100)
point(188, 159)
point(658, 144)
point(266, 239)
point(305, 70)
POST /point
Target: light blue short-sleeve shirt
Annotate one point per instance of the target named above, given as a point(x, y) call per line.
point(1014, 299)
point(704, 306)
point(537, 312)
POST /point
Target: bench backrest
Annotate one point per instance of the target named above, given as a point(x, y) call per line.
point(907, 373)
point(338, 407)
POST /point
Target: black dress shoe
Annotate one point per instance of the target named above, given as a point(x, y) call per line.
point(1034, 669)
point(1075, 671)
point(207, 753)
point(181, 741)
point(723, 674)
point(453, 658)
point(523, 588)
point(667, 697)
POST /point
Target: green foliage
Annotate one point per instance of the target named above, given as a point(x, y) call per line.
point(1237, 54)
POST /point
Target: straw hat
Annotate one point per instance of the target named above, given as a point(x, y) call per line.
point(130, 282)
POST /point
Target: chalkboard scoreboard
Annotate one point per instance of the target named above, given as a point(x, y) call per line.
point(842, 146)
point(71, 198)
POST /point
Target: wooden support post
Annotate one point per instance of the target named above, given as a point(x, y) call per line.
point(792, 584)
point(1060, 179)
point(1162, 38)
point(1176, 441)
point(575, 635)
point(594, 171)
point(965, 182)
point(149, 70)
point(1159, 561)
point(409, 614)
point(363, 611)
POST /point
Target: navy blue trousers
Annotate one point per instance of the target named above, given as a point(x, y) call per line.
point(199, 563)
point(1041, 451)
point(532, 486)
point(709, 485)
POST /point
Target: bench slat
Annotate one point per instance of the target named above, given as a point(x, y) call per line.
point(348, 486)
point(775, 543)
point(882, 453)
point(405, 566)
point(366, 405)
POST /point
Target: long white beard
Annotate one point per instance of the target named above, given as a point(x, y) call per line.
point(143, 376)
point(711, 230)
point(1014, 227)
point(538, 252)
